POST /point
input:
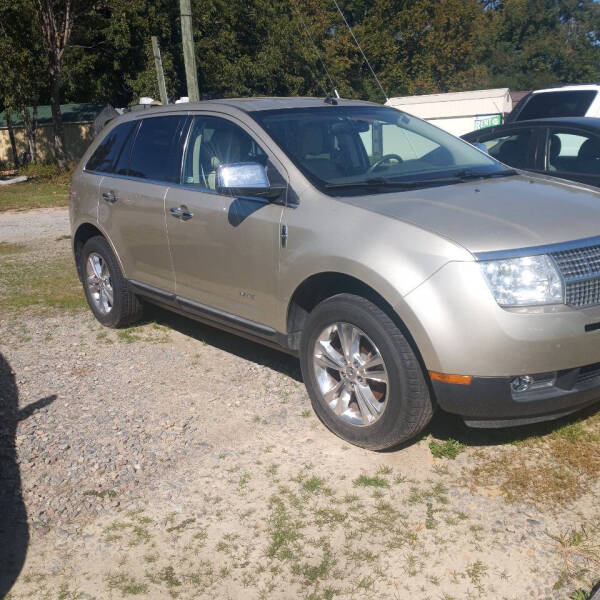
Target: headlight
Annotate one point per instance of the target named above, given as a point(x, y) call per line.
point(525, 281)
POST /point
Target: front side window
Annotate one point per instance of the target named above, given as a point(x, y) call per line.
point(574, 103)
point(511, 148)
point(572, 152)
point(110, 150)
point(357, 147)
point(157, 149)
point(214, 142)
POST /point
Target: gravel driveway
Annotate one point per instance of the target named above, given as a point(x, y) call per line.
point(174, 460)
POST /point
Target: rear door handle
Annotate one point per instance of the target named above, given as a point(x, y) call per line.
point(181, 213)
point(110, 197)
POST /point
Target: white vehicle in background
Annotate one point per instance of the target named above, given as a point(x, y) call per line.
point(565, 101)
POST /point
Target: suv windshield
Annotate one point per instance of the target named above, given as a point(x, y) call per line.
point(371, 149)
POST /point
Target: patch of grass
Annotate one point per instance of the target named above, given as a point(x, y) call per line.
point(316, 485)
point(476, 571)
point(579, 550)
point(329, 516)
point(44, 284)
point(366, 481)
point(311, 574)
point(284, 531)
point(152, 333)
point(305, 414)
point(126, 584)
point(7, 249)
point(166, 576)
point(554, 467)
point(34, 194)
point(448, 449)
point(181, 525)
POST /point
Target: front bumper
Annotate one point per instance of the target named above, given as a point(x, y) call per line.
point(491, 401)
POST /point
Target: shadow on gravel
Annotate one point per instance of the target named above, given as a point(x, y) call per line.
point(444, 426)
point(229, 342)
point(14, 533)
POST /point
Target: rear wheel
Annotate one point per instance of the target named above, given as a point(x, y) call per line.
point(106, 290)
point(363, 378)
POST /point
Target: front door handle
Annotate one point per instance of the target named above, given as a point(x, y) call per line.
point(110, 197)
point(181, 213)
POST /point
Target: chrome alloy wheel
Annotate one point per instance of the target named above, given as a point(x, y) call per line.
point(351, 374)
point(99, 283)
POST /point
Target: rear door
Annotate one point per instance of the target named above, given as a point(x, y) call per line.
point(132, 209)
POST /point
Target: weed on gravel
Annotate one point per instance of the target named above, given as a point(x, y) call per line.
point(556, 466)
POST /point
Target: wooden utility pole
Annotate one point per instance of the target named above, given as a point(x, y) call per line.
point(189, 54)
point(159, 71)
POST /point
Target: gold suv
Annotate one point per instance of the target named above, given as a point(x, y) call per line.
point(405, 267)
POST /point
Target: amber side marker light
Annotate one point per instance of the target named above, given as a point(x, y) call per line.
point(445, 378)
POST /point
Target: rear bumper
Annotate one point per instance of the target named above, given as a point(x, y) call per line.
point(491, 401)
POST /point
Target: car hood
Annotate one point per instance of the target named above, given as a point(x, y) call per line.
point(496, 214)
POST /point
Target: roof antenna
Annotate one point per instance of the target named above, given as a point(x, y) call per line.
point(317, 53)
point(361, 50)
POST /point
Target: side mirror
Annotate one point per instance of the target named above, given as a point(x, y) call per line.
point(481, 147)
point(245, 179)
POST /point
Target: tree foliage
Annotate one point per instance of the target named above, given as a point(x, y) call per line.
point(301, 47)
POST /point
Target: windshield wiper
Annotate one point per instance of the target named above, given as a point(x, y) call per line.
point(458, 177)
point(466, 174)
point(390, 183)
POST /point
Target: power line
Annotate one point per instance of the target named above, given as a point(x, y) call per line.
point(317, 53)
point(361, 50)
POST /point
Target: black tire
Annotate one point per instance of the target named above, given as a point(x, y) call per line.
point(409, 407)
point(126, 308)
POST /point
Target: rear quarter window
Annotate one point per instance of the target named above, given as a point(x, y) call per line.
point(109, 151)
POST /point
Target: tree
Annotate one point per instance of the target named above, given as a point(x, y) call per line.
point(22, 71)
point(56, 19)
point(537, 43)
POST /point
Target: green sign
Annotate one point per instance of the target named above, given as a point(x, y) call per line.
point(488, 121)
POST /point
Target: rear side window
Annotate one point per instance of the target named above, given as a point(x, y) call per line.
point(510, 148)
point(557, 104)
point(572, 152)
point(111, 148)
point(156, 151)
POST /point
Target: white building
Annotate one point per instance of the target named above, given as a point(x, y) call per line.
point(458, 112)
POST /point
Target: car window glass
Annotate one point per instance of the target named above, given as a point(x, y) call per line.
point(407, 144)
point(157, 149)
point(511, 148)
point(121, 164)
point(544, 105)
point(214, 142)
point(572, 152)
point(342, 147)
point(110, 149)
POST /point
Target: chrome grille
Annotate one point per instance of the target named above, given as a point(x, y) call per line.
point(580, 269)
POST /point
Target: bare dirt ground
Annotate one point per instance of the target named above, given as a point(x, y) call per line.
point(174, 460)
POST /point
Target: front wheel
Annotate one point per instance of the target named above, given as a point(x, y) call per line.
point(363, 378)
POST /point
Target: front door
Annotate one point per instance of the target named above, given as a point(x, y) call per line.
point(225, 250)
